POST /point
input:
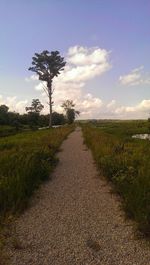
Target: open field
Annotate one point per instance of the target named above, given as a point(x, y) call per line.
point(6, 130)
point(124, 161)
point(26, 159)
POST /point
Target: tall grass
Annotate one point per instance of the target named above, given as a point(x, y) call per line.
point(26, 160)
point(7, 130)
point(125, 161)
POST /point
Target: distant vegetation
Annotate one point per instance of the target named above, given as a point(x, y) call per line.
point(69, 108)
point(126, 162)
point(12, 122)
point(26, 160)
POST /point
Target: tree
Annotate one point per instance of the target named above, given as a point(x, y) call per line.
point(57, 118)
point(34, 112)
point(4, 109)
point(13, 118)
point(149, 124)
point(4, 115)
point(36, 106)
point(71, 113)
point(47, 66)
point(68, 104)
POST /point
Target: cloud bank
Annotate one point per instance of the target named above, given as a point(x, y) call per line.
point(84, 64)
point(14, 104)
point(135, 77)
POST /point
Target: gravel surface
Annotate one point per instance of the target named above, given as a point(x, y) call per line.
point(76, 219)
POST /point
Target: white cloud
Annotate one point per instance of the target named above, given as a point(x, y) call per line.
point(135, 77)
point(14, 104)
point(79, 55)
point(40, 86)
point(89, 106)
point(31, 78)
point(111, 104)
point(83, 64)
point(139, 111)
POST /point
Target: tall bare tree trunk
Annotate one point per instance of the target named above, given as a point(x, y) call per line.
point(50, 102)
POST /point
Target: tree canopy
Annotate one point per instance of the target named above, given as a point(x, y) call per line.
point(36, 106)
point(4, 109)
point(71, 113)
point(48, 65)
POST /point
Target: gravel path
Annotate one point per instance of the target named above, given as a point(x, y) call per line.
point(75, 219)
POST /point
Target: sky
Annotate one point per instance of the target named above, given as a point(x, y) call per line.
point(106, 44)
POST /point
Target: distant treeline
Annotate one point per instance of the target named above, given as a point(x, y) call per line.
point(31, 119)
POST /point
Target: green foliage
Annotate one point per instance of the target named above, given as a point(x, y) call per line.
point(12, 122)
point(68, 104)
point(36, 106)
point(57, 118)
point(7, 130)
point(125, 161)
point(4, 114)
point(4, 109)
point(149, 124)
point(26, 160)
point(34, 112)
point(71, 113)
point(47, 66)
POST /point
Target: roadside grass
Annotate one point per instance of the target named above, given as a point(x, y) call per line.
point(124, 161)
point(6, 130)
point(26, 159)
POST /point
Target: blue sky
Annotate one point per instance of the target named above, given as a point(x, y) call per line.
point(117, 30)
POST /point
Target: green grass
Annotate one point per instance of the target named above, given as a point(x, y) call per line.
point(6, 130)
point(26, 159)
point(124, 161)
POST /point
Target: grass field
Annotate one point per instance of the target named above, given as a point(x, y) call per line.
point(7, 130)
point(26, 159)
point(126, 162)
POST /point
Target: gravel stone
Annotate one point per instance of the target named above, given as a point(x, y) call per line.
point(76, 219)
